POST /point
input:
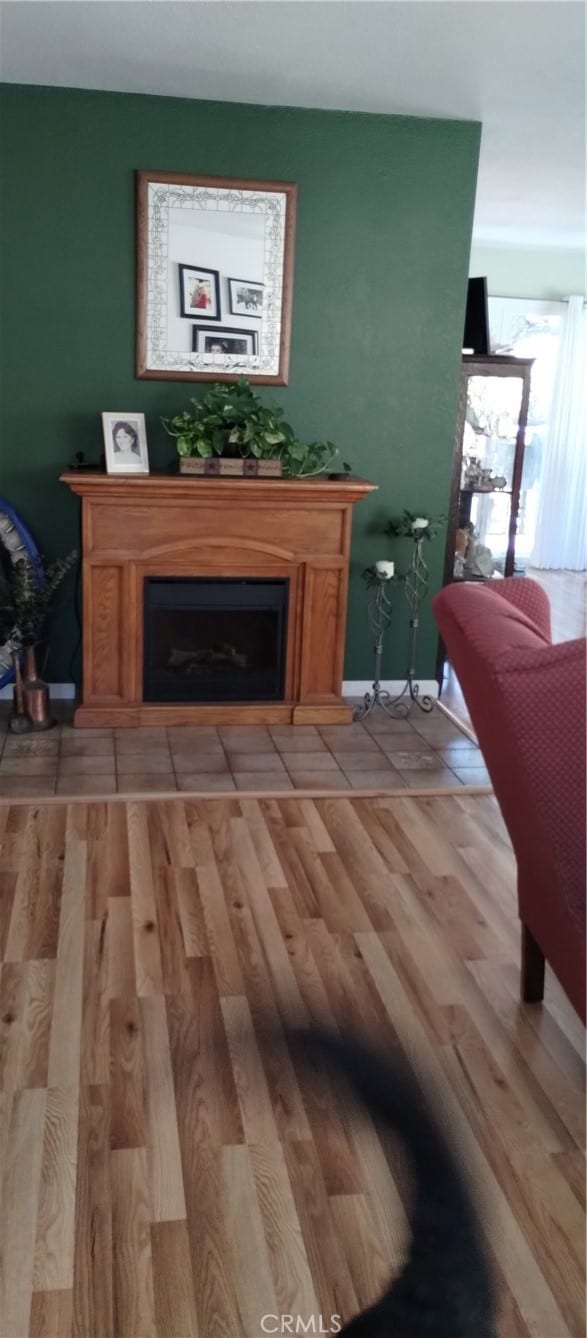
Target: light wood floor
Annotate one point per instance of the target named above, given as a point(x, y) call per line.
point(159, 1177)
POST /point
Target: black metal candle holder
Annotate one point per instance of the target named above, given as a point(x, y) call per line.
point(379, 614)
point(416, 587)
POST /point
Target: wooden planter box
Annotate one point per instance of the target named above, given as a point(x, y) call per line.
point(221, 465)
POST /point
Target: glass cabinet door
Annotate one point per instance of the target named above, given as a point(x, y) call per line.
point(492, 413)
point(491, 428)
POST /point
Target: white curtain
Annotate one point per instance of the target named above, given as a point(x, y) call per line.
point(561, 527)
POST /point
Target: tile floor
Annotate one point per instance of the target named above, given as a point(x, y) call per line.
point(424, 751)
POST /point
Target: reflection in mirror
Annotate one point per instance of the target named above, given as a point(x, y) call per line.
point(215, 262)
point(490, 431)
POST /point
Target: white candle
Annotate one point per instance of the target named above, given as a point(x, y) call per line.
point(385, 569)
point(420, 524)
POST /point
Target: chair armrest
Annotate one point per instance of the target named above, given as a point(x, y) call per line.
point(542, 696)
point(527, 596)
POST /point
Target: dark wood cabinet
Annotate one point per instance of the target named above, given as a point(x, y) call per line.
point(487, 466)
point(487, 470)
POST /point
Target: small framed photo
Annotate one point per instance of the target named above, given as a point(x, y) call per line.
point(199, 293)
point(224, 340)
point(245, 297)
point(125, 440)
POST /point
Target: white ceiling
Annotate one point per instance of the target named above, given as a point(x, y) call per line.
point(518, 66)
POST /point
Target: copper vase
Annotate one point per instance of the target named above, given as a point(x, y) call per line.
point(19, 722)
point(36, 694)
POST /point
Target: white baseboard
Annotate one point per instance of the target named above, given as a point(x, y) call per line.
point(357, 687)
point(58, 691)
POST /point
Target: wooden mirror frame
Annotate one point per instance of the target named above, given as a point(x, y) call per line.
point(144, 370)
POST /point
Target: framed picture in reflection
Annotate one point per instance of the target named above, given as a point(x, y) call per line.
point(199, 293)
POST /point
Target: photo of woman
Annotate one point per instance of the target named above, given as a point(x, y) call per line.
point(125, 441)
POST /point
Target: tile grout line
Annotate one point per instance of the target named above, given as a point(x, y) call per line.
point(287, 768)
point(59, 759)
point(443, 764)
point(170, 749)
point(329, 753)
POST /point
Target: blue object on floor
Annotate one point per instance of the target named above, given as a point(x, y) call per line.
point(18, 544)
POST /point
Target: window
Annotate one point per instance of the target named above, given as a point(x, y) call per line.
point(530, 329)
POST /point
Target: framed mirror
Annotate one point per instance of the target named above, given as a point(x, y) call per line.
point(214, 278)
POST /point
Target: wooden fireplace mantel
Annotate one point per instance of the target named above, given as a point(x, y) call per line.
point(162, 525)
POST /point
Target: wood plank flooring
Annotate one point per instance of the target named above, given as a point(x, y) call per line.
point(164, 1176)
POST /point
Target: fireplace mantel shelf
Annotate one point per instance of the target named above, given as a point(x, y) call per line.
point(321, 489)
point(159, 525)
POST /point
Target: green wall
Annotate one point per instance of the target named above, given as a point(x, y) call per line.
point(385, 210)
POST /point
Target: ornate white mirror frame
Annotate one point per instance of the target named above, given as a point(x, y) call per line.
point(198, 321)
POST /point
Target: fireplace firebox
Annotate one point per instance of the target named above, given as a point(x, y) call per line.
point(214, 639)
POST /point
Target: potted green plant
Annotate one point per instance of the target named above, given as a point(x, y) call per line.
point(231, 423)
point(32, 583)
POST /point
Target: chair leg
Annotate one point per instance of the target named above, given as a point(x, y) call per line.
point(532, 968)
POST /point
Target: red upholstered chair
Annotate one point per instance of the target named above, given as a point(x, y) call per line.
point(526, 699)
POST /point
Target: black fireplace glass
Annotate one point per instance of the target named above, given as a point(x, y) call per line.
point(214, 639)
